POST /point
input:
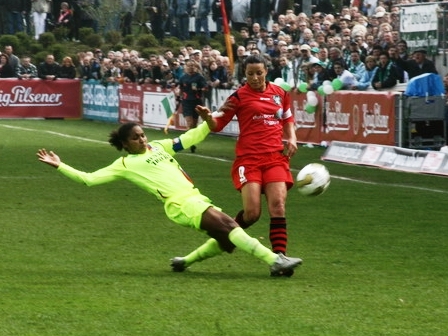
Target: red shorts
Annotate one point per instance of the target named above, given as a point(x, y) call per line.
point(261, 169)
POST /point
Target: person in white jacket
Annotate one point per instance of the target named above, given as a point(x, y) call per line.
point(39, 11)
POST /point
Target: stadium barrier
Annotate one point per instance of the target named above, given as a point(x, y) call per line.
point(365, 117)
point(369, 117)
point(38, 98)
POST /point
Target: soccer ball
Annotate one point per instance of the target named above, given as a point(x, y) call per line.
point(313, 179)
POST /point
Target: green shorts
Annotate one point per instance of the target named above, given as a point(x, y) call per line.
point(187, 211)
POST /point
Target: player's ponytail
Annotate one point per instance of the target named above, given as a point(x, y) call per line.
point(120, 135)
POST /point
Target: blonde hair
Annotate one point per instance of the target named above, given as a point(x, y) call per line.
point(67, 59)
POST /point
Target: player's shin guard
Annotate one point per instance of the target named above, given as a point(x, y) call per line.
point(251, 245)
point(207, 250)
point(278, 234)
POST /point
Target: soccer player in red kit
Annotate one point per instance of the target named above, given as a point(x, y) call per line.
point(266, 142)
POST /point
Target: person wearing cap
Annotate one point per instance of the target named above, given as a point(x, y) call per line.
point(305, 52)
point(196, 55)
point(305, 57)
point(320, 75)
point(417, 65)
point(314, 51)
point(345, 22)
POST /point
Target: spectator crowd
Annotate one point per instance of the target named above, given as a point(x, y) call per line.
point(360, 45)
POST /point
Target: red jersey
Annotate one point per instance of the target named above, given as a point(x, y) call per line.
point(261, 116)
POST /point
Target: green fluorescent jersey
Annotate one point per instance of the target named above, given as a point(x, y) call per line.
point(156, 171)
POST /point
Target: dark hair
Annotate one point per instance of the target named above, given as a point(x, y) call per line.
point(256, 59)
point(118, 136)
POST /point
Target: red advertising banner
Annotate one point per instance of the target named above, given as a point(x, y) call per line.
point(354, 116)
point(149, 105)
point(130, 103)
point(40, 98)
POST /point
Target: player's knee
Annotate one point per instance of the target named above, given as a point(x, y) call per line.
point(251, 216)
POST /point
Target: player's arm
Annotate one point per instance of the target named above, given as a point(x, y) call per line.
point(218, 119)
point(185, 140)
point(101, 176)
point(290, 137)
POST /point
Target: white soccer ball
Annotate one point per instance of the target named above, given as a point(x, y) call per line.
point(313, 179)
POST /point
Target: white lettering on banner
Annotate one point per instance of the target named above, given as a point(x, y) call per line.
point(21, 96)
point(302, 118)
point(87, 93)
point(337, 120)
point(99, 95)
point(374, 122)
point(129, 98)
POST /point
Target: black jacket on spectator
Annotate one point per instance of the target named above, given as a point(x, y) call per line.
point(46, 69)
point(413, 69)
point(387, 76)
point(67, 72)
point(6, 71)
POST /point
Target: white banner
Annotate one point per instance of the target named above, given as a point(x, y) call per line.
point(388, 157)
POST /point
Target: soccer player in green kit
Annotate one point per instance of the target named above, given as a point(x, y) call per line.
point(151, 166)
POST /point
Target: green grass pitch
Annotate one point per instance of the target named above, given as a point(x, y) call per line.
point(95, 261)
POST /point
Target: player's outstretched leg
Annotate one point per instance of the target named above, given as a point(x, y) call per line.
point(278, 262)
point(207, 250)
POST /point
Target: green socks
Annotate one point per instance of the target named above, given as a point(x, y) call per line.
point(251, 245)
point(207, 250)
point(241, 240)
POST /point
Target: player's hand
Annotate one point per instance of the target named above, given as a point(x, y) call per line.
point(290, 148)
point(204, 112)
point(48, 157)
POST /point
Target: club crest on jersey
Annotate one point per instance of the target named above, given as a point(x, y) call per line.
point(277, 100)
